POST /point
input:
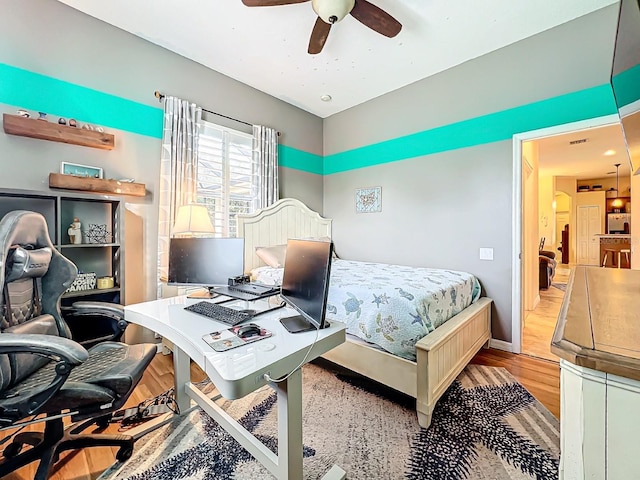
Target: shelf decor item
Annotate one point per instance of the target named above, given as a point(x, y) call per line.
point(81, 170)
point(105, 282)
point(98, 233)
point(75, 232)
point(84, 281)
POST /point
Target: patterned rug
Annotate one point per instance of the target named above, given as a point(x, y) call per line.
point(486, 426)
point(560, 286)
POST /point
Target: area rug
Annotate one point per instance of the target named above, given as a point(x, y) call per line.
point(560, 286)
point(486, 426)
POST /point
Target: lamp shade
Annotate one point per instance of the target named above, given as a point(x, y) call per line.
point(193, 219)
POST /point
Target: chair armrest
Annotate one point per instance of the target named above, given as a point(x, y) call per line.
point(47, 345)
point(112, 308)
point(95, 322)
point(66, 354)
point(547, 253)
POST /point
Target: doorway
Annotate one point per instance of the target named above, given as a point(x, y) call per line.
point(525, 231)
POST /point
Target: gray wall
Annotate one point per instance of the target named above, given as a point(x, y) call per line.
point(50, 38)
point(438, 210)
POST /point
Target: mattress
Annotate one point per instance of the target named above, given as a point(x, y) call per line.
point(391, 306)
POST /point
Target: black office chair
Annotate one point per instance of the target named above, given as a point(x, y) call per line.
point(44, 375)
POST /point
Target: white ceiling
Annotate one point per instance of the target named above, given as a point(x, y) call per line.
point(266, 47)
point(586, 161)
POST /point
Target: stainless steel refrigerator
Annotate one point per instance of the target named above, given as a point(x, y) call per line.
point(616, 222)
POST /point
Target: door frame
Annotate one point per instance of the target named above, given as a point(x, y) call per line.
point(517, 308)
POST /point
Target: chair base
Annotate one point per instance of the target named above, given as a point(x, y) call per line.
point(47, 446)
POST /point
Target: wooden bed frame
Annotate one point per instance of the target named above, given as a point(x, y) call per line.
point(441, 355)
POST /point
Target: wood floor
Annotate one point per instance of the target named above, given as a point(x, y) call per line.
point(540, 323)
point(540, 377)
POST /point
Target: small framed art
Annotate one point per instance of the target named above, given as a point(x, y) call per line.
point(369, 200)
point(80, 170)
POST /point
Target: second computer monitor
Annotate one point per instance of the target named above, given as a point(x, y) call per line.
point(203, 261)
point(305, 283)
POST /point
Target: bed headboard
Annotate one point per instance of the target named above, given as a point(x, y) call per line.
point(274, 225)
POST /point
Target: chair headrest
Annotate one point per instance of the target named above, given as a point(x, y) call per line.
point(27, 262)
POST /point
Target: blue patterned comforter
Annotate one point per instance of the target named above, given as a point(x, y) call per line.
point(392, 306)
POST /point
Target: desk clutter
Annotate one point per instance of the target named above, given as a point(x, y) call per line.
point(235, 337)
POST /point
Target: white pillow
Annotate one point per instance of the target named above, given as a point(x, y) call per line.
point(272, 256)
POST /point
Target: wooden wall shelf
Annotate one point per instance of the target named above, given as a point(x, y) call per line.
point(43, 130)
point(96, 185)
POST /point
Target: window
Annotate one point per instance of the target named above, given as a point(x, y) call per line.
point(227, 178)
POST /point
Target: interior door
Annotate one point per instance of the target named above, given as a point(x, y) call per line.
point(588, 227)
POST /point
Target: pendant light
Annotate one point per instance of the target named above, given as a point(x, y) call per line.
point(617, 202)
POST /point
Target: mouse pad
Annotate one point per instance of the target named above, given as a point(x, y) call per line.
point(228, 339)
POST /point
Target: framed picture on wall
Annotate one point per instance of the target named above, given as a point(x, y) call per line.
point(369, 200)
point(81, 170)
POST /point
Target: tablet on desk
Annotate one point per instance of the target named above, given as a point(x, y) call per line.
point(227, 339)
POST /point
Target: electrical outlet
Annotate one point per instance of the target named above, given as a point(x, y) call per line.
point(486, 253)
point(260, 378)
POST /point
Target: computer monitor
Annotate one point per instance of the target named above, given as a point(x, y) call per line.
point(203, 261)
point(305, 283)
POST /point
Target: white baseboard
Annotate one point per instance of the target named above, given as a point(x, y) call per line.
point(501, 345)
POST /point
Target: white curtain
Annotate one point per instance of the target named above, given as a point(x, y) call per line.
point(265, 155)
point(178, 169)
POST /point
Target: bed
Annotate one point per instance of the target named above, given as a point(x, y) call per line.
point(421, 366)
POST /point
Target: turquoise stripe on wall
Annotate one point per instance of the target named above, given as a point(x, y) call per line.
point(494, 127)
point(36, 92)
point(293, 158)
point(627, 86)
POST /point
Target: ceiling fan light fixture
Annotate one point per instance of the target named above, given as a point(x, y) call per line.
point(332, 11)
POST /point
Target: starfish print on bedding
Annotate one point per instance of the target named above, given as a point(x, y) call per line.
point(416, 318)
point(466, 418)
point(218, 454)
point(378, 299)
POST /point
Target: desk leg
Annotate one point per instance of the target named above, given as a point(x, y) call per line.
point(182, 375)
point(290, 426)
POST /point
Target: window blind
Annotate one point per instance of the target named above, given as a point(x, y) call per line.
point(227, 177)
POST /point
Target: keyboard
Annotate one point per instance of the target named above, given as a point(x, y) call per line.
point(219, 313)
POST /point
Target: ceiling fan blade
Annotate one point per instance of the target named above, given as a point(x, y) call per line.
point(270, 3)
point(375, 18)
point(318, 36)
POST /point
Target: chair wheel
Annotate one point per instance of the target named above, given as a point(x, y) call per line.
point(103, 422)
point(124, 453)
point(12, 450)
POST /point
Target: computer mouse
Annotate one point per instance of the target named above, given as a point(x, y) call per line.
point(247, 331)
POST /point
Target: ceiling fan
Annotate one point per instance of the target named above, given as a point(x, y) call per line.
point(332, 11)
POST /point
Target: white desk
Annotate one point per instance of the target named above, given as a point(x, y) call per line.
point(239, 371)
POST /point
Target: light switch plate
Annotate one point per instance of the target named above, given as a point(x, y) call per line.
point(486, 253)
